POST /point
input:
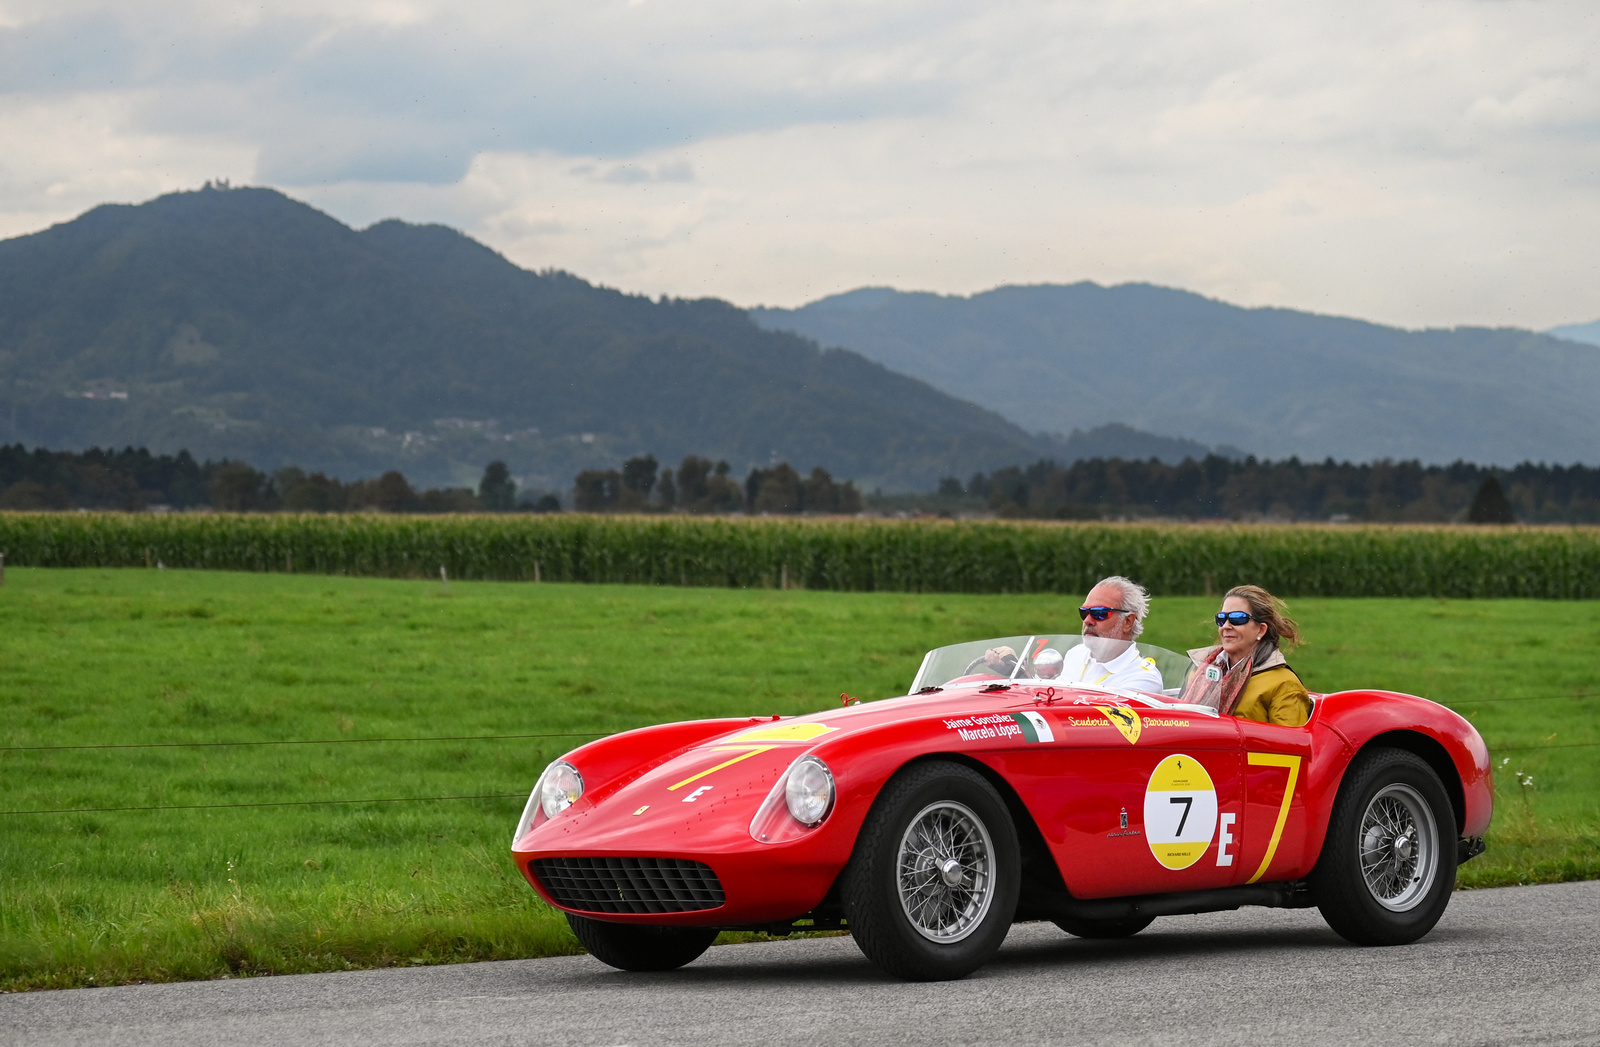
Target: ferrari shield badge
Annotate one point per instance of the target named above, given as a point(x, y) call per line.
point(1125, 720)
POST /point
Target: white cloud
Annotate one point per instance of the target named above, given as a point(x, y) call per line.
point(1432, 163)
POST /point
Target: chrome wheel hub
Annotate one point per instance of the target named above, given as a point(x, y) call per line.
point(945, 871)
point(1399, 848)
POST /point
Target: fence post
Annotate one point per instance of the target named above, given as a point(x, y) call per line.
point(444, 580)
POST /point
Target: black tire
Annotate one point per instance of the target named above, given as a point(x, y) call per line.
point(963, 910)
point(1389, 863)
point(1126, 928)
point(640, 947)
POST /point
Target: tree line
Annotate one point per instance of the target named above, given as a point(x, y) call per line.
point(1211, 488)
point(1250, 489)
point(134, 480)
point(699, 486)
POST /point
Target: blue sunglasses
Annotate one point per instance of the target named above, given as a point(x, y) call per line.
point(1235, 618)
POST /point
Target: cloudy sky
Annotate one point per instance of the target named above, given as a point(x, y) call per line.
point(1415, 163)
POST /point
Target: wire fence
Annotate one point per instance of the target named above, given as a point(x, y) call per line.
point(270, 803)
point(497, 738)
point(303, 741)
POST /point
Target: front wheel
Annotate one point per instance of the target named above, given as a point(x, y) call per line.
point(639, 947)
point(1389, 862)
point(932, 886)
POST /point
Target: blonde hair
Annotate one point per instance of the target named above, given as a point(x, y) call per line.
point(1271, 612)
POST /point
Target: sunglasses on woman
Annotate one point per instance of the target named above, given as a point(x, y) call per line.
point(1235, 618)
point(1100, 614)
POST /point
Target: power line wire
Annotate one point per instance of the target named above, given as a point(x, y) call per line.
point(275, 803)
point(505, 737)
point(493, 796)
point(1522, 698)
point(301, 741)
point(571, 734)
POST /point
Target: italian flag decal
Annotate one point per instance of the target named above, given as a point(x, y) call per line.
point(1034, 727)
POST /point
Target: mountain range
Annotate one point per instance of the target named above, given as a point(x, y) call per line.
point(1272, 382)
point(242, 323)
point(1588, 333)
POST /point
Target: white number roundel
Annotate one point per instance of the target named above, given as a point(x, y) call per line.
point(1180, 811)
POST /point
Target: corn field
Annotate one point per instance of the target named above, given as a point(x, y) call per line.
point(842, 554)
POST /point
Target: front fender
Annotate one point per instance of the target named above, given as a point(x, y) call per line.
point(863, 761)
point(1364, 717)
point(612, 762)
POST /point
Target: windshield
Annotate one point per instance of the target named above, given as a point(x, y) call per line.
point(1065, 658)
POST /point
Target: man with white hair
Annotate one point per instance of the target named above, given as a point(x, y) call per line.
point(1113, 616)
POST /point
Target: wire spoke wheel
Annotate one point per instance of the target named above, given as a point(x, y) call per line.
point(1399, 847)
point(946, 871)
point(1388, 863)
point(932, 885)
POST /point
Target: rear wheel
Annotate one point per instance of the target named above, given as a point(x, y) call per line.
point(1125, 928)
point(639, 947)
point(932, 886)
point(1389, 862)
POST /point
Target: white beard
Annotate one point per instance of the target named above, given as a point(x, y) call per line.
point(1105, 649)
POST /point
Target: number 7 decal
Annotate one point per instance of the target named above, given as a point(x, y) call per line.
point(1293, 764)
point(1188, 802)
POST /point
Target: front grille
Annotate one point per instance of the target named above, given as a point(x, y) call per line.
point(629, 885)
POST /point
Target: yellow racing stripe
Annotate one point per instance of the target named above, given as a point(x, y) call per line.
point(754, 751)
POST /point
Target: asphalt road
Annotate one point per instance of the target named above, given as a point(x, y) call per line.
point(1512, 966)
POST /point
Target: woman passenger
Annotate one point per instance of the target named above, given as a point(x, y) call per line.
point(1246, 675)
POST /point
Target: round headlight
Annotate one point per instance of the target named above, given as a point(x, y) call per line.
point(559, 788)
point(809, 790)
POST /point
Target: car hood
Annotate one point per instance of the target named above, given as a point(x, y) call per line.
point(714, 787)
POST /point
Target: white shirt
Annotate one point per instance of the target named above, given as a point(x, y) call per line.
point(1129, 670)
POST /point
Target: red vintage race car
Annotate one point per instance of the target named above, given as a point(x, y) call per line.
point(928, 824)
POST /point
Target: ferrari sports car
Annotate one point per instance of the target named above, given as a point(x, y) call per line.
point(999, 790)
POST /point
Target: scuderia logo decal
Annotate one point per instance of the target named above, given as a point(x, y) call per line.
point(1180, 811)
point(1125, 720)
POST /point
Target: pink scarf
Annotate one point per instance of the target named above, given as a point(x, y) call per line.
point(1213, 686)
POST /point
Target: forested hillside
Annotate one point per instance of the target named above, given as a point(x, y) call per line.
point(1274, 382)
point(1227, 489)
point(238, 323)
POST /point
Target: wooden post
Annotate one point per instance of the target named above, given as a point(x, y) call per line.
point(147, 562)
point(444, 580)
point(536, 570)
point(783, 577)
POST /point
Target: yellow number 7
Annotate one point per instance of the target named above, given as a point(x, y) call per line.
point(1293, 764)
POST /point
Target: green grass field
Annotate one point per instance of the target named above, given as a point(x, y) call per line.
point(127, 657)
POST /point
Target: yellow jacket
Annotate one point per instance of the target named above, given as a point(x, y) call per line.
point(1274, 694)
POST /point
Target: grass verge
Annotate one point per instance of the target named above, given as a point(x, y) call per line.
point(133, 656)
